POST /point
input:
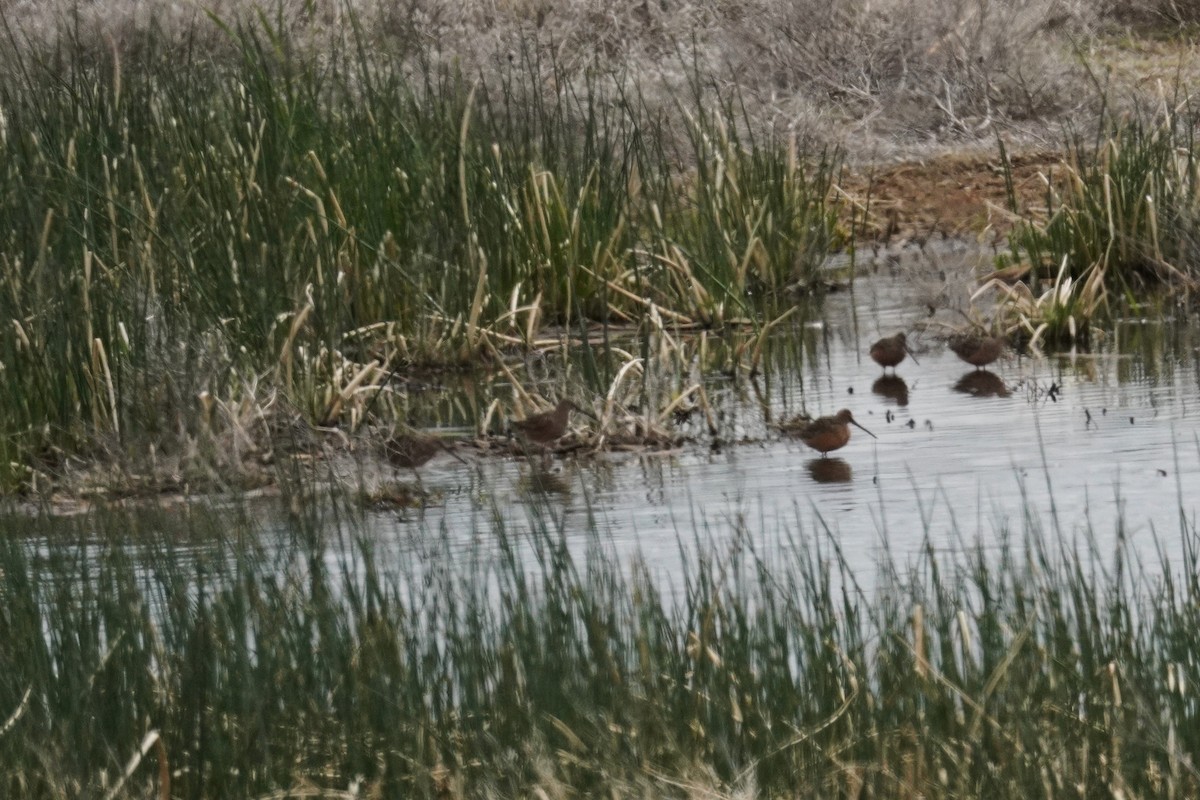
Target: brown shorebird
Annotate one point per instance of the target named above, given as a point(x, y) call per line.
point(890, 351)
point(548, 427)
point(413, 449)
point(976, 350)
point(827, 433)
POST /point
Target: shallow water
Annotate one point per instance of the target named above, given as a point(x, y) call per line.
point(961, 455)
point(1085, 446)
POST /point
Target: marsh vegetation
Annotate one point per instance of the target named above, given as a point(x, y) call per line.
point(241, 243)
point(226, 231)
point(205, 655)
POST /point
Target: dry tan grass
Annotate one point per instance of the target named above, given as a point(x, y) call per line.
point(884, 79)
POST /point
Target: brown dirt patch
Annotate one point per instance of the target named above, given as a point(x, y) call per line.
point(950, 196)
point(964, 194)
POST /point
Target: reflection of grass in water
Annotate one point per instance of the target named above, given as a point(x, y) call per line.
point(527, 670)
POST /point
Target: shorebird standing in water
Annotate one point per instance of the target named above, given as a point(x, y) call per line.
point(827, 433)
point(547, 427)
point(890, 351)
point(413, 449)
point(976, 350)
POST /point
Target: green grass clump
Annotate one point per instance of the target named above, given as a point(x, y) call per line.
point(1122, 223)
point(199, 653)
point(185, 228)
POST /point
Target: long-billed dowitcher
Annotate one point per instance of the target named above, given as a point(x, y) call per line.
point(891, 350)
point(976, 350)
point(548, 427)
point(412, 449)
point(828, 433)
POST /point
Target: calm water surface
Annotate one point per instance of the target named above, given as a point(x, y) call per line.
point(960, 455)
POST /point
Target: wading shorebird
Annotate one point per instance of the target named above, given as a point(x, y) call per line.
point(411, 450)
point(828, 433)
point(548, 427)
point(976, 350)
point(890, 351)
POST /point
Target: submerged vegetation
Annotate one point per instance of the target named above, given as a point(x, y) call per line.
point(202, 655)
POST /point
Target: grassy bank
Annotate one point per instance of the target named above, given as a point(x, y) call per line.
point(1117, 231)
point(190, 237)
point(201, 653)
point(227, 227)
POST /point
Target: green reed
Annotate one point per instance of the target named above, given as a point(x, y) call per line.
point(309, 655)
point(256, 216)
point(1122, 223)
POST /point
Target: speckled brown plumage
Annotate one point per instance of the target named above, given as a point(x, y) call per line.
point(890, 351)
point(548, 426)
point(978, 351)
point(825, 434)
point(411, 450)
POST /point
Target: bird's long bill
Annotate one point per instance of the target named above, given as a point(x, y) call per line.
point(911, 355)
point(864, 430)
point(587, 413)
